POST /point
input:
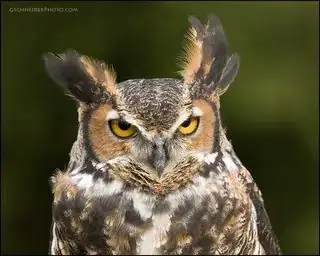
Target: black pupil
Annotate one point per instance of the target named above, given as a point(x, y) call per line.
point(186, 123)
point(124, 125)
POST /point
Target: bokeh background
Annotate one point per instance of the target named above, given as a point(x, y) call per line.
point(270, 111)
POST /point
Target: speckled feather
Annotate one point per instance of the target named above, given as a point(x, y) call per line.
point(111, 200)
point(165, 96)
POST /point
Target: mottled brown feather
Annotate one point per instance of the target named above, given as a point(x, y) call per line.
point(61, 184)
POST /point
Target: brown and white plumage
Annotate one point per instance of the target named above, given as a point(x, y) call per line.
point(152, 171)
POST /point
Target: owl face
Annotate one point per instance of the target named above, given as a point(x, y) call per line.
point(156, 126)
point(155, 122)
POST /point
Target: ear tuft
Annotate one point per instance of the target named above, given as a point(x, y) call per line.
point(206, 54)
point(228, 75)
point(191, 60)
point(101, 73)
point(84, 78)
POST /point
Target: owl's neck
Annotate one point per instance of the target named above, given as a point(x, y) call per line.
point(227, 158)
point(78, 152)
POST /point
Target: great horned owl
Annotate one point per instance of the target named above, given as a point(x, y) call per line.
point(151, 171)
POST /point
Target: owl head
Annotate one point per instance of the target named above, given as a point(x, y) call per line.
point(158, 125)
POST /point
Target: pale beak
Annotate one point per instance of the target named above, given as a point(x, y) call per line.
point(159, 158)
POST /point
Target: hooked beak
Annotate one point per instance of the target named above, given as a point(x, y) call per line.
point(159, 159)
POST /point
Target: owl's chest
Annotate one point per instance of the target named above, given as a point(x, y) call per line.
point(192, 221)
point(132, 222)
point(198, 219)
point(167, 225)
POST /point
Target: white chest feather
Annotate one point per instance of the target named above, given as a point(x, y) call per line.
point(155, 237)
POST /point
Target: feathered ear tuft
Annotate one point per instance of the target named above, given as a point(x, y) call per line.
point(191, 59)
point(228, 75)
point(101, 73)
point(206, 58)
point(87, 80)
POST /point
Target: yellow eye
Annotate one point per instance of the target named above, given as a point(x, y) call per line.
point(189, 126)
point(121, 128)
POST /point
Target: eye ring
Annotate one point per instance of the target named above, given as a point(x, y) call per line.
point(189, 126)
point(121, 128)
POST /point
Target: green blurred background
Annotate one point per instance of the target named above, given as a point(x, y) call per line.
point(271, 110)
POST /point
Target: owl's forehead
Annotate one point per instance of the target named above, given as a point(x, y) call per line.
point(157, 103)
